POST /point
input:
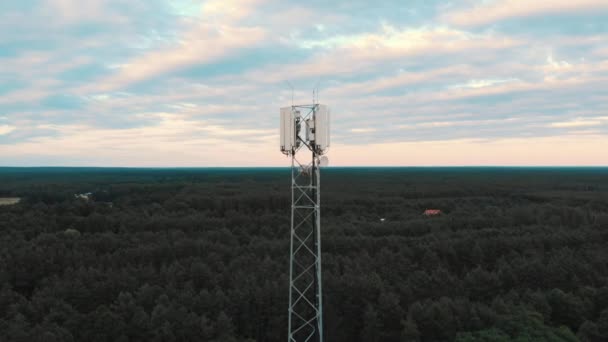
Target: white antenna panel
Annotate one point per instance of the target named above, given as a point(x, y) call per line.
point(323, 161)
point(310, 130)
point(288, 130)
point(322, 125)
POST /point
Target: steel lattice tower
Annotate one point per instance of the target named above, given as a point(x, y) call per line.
point(310, 141)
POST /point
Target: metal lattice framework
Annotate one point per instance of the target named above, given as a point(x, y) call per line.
point(305, 292)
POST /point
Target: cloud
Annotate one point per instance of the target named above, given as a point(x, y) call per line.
point(202, 46)
point(483, 83)
point(362, 130)
point(6, 129)
point(489, 12)
point(162, 144)
point(363, 53)
point(572, 150)
point(186, 83)
point(580, 123)
point(73, 11)
point(208, 38)
point(175, 139)
point(228, 11)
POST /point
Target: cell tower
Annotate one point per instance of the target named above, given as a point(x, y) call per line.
point(305, 138)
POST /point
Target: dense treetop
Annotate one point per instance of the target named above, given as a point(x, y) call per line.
point(201, 254)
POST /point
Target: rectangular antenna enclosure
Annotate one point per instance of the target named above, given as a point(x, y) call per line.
point(321, 128)
point(288, 130)
point(310, 130)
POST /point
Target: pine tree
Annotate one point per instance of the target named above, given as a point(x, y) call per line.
point(370, 325)
point(409, 332)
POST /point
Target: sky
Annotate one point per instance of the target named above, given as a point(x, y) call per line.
point(153, 83)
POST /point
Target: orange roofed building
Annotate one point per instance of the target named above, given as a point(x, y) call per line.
point(432, 212)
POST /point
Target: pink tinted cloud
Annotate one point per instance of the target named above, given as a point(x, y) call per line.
point(216, 33)
point(359, 53)
point(164, 145)
point(494, 11)
point(569, 150)
point(201, 46)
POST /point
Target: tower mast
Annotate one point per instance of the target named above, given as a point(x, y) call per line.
point(305, 138)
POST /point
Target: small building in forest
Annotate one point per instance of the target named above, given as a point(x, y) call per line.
point(86, 196)
point(432, 212)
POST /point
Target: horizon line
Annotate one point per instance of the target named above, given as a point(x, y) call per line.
point(286, 167)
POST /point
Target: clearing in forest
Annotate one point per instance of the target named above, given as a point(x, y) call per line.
point(9, 200)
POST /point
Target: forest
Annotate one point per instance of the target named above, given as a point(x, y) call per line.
point(111, 254)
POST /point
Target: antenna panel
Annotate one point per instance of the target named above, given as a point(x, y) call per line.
point(288, 130)
point(323, 161)
point(322, 125)
point(310, 130)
